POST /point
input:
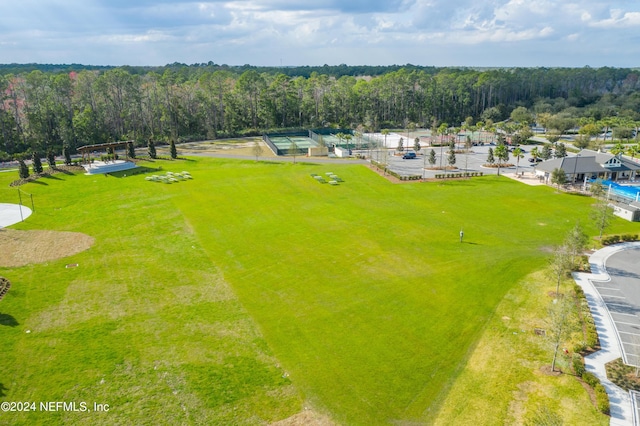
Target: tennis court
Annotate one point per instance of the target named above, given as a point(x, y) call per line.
point(285, 142)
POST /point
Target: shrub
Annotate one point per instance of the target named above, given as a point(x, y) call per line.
point(578, 363)
point(611, 239)
point(602, 399)
point(579, 348)
point(590, 379)
point(629, 237)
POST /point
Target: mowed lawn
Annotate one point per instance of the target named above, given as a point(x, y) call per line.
point(252, 291)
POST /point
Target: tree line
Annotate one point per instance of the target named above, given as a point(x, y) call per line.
point(48, 110)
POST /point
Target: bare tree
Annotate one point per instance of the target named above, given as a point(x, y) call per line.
point(257, 150)
point(559, 317)
point(560, 265)
point(602, 215)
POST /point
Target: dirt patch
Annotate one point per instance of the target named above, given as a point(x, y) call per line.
point(21, 248)
point(305, 418)
point(546, 370)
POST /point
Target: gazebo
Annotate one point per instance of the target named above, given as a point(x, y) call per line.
point(98, 167)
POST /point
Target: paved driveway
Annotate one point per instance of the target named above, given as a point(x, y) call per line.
point(612, 290)
point(471, 162)
point(622, 297)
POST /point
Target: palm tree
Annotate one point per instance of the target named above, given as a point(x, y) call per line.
point(348, 137)
point(633, 150)
point(502, 154)
point(385, 132)
point(618, 148)
point(535, 154)
point(517, 153)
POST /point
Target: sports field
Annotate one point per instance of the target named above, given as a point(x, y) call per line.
point(253, 291)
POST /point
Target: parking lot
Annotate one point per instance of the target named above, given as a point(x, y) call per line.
point(622, 297)
point(471, 162)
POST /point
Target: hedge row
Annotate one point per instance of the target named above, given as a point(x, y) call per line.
point(602, 399)
point(592, 333)
point(457, 175)
point(613, 239)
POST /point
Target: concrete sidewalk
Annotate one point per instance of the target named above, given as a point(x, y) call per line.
point(623, 410)
point(13, 213)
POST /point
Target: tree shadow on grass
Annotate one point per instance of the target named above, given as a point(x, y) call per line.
point(66, 172)
point(8, 320)
point(52, 177)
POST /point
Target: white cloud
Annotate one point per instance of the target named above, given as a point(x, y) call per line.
point(261, 32)
point(618, 19)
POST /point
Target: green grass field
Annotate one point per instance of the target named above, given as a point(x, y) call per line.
point(252, 291)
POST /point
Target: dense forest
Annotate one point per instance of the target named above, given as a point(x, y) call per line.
point(47, 107)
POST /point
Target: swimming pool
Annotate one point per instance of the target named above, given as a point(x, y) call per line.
point(632, 192)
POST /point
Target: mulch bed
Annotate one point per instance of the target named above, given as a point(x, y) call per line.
point(394, 179)
point(48, 172)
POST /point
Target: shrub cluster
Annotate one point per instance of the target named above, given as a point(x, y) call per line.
point(613, 239)
point(457, 175)
point(578, 365)
point(592, 333)
point(108, 157)
point(495, 165)
point(602, 399)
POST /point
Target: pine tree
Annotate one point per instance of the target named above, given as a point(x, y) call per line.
point(452, 157)
point(151, 147)
point(67, 155)
point(23, 170)
point(37, 164)
point(490, 158)
point(131, 151)
point(432, 157)
point(51, 160)
point(172, 150)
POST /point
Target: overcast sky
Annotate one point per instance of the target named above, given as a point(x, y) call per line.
point(317, 32)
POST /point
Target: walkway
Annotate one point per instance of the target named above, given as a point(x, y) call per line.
point(11, 214)
point(614, 301)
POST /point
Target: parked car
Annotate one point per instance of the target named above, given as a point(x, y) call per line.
point(535, 160)
point(409, 156)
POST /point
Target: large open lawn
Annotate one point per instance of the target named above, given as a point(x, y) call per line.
point(252, 291)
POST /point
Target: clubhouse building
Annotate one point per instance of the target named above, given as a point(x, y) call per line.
point(590, 164)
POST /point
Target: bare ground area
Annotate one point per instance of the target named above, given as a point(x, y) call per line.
point(19, 248)
point(305, 418)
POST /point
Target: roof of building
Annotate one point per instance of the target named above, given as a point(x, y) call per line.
point(572, 165)
point(588, 161)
